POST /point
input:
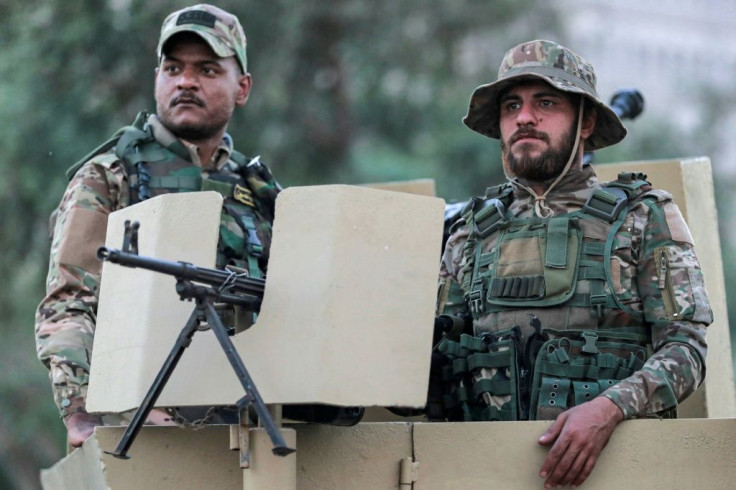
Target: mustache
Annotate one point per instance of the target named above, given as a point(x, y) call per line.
point(187, 97)
point(528, 133)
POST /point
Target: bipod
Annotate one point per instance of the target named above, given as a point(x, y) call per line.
point(204, 311)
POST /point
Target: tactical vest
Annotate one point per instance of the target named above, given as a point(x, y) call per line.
point(152, 170)
point(561, 261)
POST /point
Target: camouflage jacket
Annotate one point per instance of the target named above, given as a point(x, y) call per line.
point(677, 366)
point(65, 319)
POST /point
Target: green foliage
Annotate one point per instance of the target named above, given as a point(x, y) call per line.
point(351, 78)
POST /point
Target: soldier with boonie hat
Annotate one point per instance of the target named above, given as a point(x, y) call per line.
point(559, 67)
point(604, 274)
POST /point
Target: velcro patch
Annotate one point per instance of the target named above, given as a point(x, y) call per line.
point(679, 230)
point(199, 17)
point(84, 233)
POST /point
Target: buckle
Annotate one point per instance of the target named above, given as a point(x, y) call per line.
point(475, 299)
point(606, 204)
point(590, 339)
point(598, 301)
point(631, 177)
point(253, 244)
point(489, 219)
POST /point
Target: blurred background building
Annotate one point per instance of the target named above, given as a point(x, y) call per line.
point(680, 53)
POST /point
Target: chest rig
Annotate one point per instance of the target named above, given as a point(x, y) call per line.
point(541, 262)
point(153, 169)
point(561, 261)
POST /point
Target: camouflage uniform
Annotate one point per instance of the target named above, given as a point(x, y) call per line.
point(653, 272)
point(677, 366)
point(65, 319)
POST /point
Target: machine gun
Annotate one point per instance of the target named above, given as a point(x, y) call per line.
point(209, 287)
point(205, 287)
point(229, 286)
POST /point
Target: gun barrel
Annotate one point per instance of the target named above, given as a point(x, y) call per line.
point(235, 283)
point(627, 103)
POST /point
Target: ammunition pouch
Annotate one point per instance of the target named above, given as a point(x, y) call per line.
point(482, 376)
point(537, 263)
point(578, 366)
point(496, 377)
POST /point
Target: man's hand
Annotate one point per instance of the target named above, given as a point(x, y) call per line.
point(79, 426)
point(579, 435)
point(159, 416)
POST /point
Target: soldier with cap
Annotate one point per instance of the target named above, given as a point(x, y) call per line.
point(200, 79)
point(587, 300)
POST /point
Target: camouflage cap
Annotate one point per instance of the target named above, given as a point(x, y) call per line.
point(556, 65)
point(220, 29)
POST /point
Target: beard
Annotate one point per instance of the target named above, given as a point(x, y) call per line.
point(200, 130)
point(546, 166)
point(192, 132)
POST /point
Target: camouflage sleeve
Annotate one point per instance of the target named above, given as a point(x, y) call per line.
point(677, 310)
point(452, 257)
point(65, 319)
point(449, 296)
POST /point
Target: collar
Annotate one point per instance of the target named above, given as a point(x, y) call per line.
point(573, 181)
point(190, 151)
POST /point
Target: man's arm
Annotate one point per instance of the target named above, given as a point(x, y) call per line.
point(579, 435)
point(65, 319)
point(677, 310)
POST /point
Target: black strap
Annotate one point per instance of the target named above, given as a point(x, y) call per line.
point(492, 212)
point(606, 203)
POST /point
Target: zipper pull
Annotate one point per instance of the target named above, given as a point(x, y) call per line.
point(662, 268)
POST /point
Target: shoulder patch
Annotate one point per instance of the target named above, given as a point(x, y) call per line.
point(676, 223)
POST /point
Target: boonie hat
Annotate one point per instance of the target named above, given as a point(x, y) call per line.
point(556, 65)
point(220, 29)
